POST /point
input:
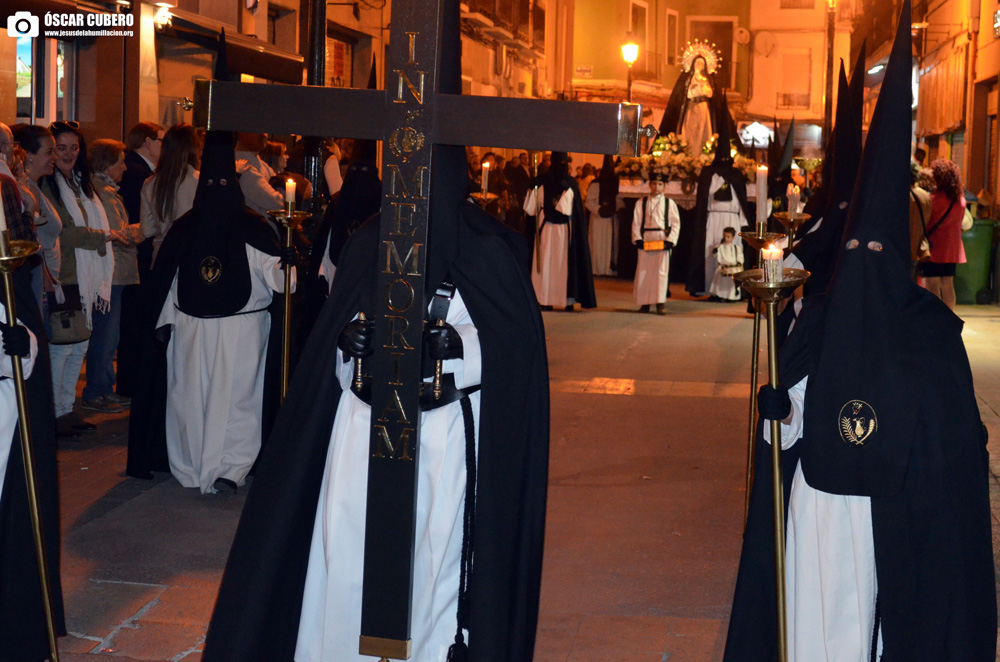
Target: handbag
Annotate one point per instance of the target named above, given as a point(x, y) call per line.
point(69, 324)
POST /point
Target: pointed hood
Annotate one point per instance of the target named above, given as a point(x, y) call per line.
point(218, 194)
point(780, 174)
point(723, 123)
point(608, 180)
point(859, 401)
point(818, 250)
point(857, 85)
point(774, 149)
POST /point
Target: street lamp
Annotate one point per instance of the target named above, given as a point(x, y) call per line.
point(630, 53)
point(831, 18)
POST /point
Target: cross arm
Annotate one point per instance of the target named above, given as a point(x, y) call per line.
point(306, 110)
point(566, 126)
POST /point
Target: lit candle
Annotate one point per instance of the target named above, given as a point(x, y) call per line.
point(761, 199)
point(290, 190)
point(771, 259)
point(794, 196)
point(3, 220)
point(486, 177)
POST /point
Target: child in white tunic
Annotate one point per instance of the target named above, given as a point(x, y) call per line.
point(729, 260)
point(655, 219)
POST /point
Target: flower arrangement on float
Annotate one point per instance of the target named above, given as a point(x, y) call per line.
point(670, 156)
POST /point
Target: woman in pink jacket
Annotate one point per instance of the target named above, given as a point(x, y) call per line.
point(944, 231)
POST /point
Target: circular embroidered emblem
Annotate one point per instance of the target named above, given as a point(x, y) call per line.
point(857, 423)
point(211, 270)
point(405, 141)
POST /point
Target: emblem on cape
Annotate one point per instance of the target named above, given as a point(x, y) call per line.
point(857, 422)
point(404, 141)
point(211, 270)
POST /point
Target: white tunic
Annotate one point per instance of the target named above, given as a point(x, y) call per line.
point(721, 215)
point(652, 269)
point(829, 564)
point(215, 382)
point(726, 255)
point(550, 261)
point(8, 399)
point(601, 232)
point(330, 623)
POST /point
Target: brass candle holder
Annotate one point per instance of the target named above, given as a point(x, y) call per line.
point(792, 220)
point(13, 254)
point(289, 219)
point(757, 241)
point(483, 199)
point(771, 293)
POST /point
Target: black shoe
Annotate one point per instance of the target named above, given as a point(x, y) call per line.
point(661, 309)
point(546, 308)
point(569, 308)
point(644, 308)
point(224, 486)
point(63, 429)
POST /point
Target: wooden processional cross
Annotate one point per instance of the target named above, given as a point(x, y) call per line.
point(409, 117)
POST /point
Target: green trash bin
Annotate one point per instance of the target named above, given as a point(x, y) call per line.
point(974, 275)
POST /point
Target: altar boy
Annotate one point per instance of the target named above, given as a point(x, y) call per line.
point(656, 224)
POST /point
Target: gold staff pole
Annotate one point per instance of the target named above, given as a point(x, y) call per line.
point(757, 241)
point(288, 218)
point(12, 255)
point(771, 291)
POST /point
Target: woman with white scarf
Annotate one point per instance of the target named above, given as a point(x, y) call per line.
point(86, 269)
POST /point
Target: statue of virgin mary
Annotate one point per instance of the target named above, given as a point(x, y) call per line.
point(689, 110)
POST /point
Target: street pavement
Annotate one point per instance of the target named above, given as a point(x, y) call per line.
point(646, 493)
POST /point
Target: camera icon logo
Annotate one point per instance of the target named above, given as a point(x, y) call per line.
point(22, 24)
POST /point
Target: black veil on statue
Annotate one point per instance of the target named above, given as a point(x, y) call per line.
point(257, 613)
point(206, 249)
point(735, 184)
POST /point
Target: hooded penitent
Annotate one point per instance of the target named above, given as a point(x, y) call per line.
point(206, 249)
point(890, 413)
point(579, 274)
point(257, 614)
point(733, 186)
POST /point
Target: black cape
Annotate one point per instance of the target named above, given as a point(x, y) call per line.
point(23, 634)
point(257, 613)
point(580, 270)
point(933, 544)
point(147, 442)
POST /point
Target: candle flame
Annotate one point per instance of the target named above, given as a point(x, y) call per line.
point(486, 164)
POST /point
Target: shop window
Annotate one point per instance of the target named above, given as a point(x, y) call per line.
point(24, 67)
point(46, 80)
point(339, 63)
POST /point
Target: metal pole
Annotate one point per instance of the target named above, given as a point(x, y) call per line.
point(779, 485)
point(286, 323)
point(752, 422)
point(629, 86)
point(27, 454)
point(831, 17)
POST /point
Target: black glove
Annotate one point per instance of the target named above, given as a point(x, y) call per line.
point(289, 256)
point(442, 343)
point(668, 245)
point(355, 340)
point(638, 243)
point(15, 340)
point(773, 403)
